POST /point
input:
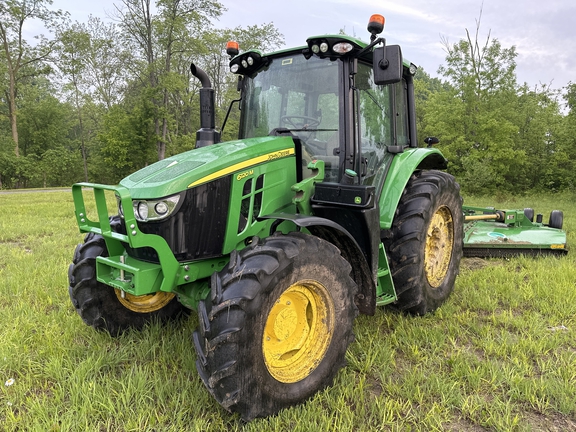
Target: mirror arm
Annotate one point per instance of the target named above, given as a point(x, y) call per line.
point(369, 47)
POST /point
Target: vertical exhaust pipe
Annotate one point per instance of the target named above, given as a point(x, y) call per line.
point(207, 134)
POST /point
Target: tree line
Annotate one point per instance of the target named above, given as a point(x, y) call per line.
point(101, 99)
point(97, 100)
point(498, 135)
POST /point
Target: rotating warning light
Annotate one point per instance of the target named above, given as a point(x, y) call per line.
point(232, 48)
point(376, 24)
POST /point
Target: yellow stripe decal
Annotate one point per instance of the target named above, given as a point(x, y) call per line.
point(245, 164)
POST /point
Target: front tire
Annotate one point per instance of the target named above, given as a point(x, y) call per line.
point(277, 325)
point(102, 306)
point(425, 242)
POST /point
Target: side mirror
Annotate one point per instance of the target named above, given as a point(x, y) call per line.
point(430, 141)
point(387, 64)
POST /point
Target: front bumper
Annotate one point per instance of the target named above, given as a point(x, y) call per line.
point(118, 269)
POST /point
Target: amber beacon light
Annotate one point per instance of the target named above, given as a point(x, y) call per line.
point(232, 48)
point(376, 24)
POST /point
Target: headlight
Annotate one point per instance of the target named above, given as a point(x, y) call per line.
point(161, 208)
point(152, 210)
point(342, 47)
point(140, 210)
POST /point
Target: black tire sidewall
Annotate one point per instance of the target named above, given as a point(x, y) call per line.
point(435, 296)
point(325, 273)
point(229, 339)
point(405, 242)
point(556, 219)
point(97, 303)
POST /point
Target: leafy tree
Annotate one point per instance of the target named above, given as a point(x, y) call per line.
point(75, 43)
point(121, 95)
point(561, 171)
point(44, 119)
point(158, 38)
point(474, 117)
point(90, 61)
point(21, 58)
point(45, 125)
point(537, 114)
point(107, 62)
point(424, 88)
point(123, 141)
point(7, 163)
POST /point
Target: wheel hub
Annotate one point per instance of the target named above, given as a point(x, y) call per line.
point(439, 245)
point(144, 303)
point(298, 331)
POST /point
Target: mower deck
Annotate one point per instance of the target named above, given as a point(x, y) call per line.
point(499, 233)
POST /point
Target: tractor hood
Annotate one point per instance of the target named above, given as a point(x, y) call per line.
point(199, 166)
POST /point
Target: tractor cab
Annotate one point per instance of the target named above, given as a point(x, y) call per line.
point(300, 97)
point(329, 96)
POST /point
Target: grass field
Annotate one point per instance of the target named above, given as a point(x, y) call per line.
point(499, 355)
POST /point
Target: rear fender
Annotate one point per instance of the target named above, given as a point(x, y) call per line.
point(351, 251)
point(401, 169)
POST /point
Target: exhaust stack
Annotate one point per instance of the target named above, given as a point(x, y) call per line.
point(207, 134)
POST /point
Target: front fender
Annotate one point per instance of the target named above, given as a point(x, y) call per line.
point(337, 235)
point(401, 168)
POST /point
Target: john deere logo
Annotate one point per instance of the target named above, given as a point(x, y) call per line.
point(244, 174)
point(357, 200)
point(280, 154)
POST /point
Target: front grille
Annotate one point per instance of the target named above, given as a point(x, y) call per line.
point(196, 231)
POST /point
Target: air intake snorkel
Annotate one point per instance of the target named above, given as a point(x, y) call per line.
point(207, 134)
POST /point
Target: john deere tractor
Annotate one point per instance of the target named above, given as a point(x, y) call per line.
point(324, 207)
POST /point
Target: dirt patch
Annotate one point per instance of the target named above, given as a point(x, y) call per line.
point(474, 263)
point(18, 245)
point(463, 425)
point(554, 422)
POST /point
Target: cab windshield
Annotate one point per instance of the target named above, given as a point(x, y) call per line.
point(299, 95)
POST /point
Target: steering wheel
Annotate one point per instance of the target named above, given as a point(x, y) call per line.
point(300, 122)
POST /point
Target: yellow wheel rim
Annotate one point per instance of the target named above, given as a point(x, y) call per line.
point(298, 331)
point(145, 303)
point(439, 245)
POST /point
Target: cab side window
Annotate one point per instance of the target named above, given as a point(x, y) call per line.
point(383, 118)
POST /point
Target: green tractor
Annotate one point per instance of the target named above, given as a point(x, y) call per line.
point(325, 207)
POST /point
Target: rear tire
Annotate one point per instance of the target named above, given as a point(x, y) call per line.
point(556, 219)
point(101, 306)
point(277, 325)
point(425, 242)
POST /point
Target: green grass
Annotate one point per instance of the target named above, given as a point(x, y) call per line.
point(499, 355)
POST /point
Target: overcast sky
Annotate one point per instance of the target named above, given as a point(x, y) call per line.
point(543, 32)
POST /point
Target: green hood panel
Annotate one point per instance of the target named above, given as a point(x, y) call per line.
point(194, 167)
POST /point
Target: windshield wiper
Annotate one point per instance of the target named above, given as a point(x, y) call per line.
point(371, 96)
point(310, 130)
